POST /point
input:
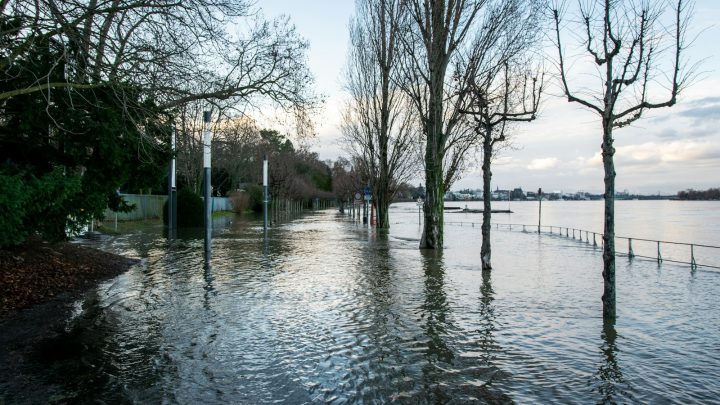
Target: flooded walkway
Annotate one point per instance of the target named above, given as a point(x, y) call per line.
point(326, 310)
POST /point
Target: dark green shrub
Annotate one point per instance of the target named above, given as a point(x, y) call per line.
point(189, 210)
point(256, 197)
point(46, 205)
point(13, 195)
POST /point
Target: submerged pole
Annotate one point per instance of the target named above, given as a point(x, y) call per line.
point(265, 192)
point(540, 209)
point(693, 264)
point(207, 136)
point(172, 195)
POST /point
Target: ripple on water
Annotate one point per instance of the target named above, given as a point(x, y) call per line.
point(328, 311)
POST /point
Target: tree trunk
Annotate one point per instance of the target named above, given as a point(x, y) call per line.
point(383, 203)
point(383, 187)
point(432, 237)
point(608, 151)
point(487, 208)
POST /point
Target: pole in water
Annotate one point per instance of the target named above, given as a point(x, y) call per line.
point(265, 192)
point(172, 192)
point(207, 136)
point(540, 208)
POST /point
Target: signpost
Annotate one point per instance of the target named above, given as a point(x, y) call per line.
point(356, 203)
point(368, 197)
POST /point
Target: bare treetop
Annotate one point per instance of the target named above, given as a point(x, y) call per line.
point(176, 51)
point(636, 47)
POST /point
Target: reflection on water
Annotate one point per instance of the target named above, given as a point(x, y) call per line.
point(609, 373)
point(436, 324)
point(322, 309)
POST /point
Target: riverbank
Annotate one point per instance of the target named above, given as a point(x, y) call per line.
point(37, 271)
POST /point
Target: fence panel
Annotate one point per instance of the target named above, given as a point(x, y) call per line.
point(146, 207)
point(151, 206)
point(221, 204)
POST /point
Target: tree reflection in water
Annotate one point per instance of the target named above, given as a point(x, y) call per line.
point(487, 318)
point(609, 373)
point(435, 312)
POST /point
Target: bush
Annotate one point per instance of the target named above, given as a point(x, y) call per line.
point(240, 201)
point(256, 197)
point(46, 205)
point(189, 210)
point(13, 195)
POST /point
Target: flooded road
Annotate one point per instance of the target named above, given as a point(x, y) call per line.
point(326, 310)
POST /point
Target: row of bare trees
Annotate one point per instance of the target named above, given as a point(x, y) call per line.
point(420, 75)
point(434, 81)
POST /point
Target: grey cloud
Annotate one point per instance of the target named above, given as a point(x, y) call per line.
point(711, 113)
point(711, 154)
point(701, 110)
point(668, 133)
point(704, 101)
point(687, 133)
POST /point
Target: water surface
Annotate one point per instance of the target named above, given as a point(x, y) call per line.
point(326, 310)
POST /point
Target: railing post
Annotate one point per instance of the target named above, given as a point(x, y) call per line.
point(693, 265)
point(594, 241)
point(573, 233)
point(630, 249)
point(566, 232)
point(523, 228)
point(659, 255)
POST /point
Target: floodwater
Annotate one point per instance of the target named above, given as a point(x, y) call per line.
point(327, 310)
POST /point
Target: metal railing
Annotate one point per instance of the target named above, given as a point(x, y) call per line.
point(597, 241)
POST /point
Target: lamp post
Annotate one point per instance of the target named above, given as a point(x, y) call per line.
point(207, 138)
point(265, 192)
point(172, 194)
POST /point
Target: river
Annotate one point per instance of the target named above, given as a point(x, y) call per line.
point(327, 310)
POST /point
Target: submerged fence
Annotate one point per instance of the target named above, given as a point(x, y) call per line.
point(149, 206)
point(694, 254)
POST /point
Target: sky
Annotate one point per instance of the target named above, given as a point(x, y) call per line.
point(668, 150)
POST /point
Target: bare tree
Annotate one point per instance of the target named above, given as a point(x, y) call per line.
point(345, 181)
point(439, 33)
point(630, 48)
point(234, 148)
point(378, 125)
point(176, 52)
point(498, 99)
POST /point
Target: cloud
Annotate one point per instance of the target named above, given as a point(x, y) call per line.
point(644, 157)
point(543, 164)
point(669, 153)
point(702, 114)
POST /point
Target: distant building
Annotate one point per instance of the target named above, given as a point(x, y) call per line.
point(500, 194)
point(517, 194)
